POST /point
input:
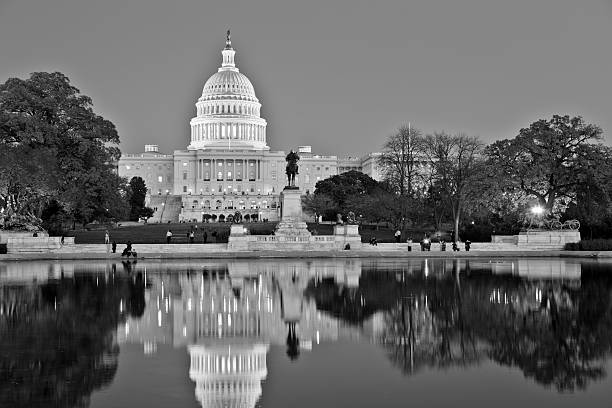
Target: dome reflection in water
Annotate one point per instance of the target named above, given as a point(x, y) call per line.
point(246, 327)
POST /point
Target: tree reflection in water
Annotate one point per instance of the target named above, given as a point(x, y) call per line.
point(559, 333)
point(57, 339)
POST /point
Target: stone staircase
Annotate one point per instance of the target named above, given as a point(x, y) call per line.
point(168, 208)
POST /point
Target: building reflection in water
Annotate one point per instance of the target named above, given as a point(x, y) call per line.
point(227, 316)
point(550, 318)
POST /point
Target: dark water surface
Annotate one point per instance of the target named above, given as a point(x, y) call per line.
point(307, 333)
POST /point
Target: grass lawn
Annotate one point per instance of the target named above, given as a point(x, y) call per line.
point(156, 233)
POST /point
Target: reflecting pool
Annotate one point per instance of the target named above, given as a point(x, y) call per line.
point(306, 333)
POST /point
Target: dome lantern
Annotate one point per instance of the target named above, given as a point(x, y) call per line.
point(228, 55)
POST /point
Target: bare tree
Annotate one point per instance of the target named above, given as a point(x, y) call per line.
point(401, 165)
point(454, 162)
point(401, 161)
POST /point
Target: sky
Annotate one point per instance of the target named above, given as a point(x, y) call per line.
point(339, 75)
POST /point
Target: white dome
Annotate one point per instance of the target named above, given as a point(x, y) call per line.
point(228, 112)
point(228, 84)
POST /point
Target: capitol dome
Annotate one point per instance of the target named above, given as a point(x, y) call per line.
point(228, 83)
point(228, 111)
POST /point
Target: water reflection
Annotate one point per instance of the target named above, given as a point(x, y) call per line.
point(58, 333)
point(62, 325)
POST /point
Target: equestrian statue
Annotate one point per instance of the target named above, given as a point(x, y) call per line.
point(292, 168)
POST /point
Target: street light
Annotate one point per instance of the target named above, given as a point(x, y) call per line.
point(537, 210)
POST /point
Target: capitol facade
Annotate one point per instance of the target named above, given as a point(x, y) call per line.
point(228, 165)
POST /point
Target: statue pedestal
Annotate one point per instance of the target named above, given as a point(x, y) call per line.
point(291, 223)
point(348, 234)
point(547, 239)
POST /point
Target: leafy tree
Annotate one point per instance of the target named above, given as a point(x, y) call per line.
point(340, 193)
point(320, 204)
point(455, 164)
point(138, 194)
point(549, 160)
point(54, 147)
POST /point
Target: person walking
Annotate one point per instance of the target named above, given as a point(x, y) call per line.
point(398, 236)
point(168, 236)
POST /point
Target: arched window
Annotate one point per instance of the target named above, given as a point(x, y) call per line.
point(230, 204)
point(218, 205)
point(241, 205)
point(222, 218)
point(207, 204)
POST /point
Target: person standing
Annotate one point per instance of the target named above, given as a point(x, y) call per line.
point(191, 236)
point(107, 241)
point(168, 236)
point(205, 236)
point(398, 236)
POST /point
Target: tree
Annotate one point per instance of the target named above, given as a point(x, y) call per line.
point(401, 161)
point(53, 147)
point(455, 162)
point(138, 194)
point(403, 172)
point(549, 160)
point(340, 194)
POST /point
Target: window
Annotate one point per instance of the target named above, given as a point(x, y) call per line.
point(127, 167)
point(160, 179)
point(229, 175)
point(184, 164)
point(219, 176)
point(184, 175)
point(184, 189)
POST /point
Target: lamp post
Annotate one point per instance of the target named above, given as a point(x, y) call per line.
point(536, 212)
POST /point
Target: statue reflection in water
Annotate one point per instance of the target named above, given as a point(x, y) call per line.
point(555, 325)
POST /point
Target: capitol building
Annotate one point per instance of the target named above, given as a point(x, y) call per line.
point(228, 165)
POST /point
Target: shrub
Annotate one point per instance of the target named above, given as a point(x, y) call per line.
point(590, 245)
